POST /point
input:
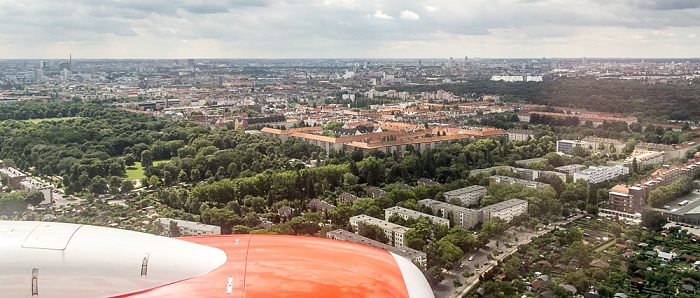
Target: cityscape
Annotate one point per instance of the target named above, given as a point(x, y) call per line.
point(418, 157)
point(350, 148)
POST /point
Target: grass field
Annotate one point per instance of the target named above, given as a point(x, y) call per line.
point(50, 119)
point(136, 172)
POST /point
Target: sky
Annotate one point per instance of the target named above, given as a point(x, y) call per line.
point(178, 29)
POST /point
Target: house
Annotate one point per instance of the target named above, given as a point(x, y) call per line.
point(571, 289)
point(426, 182)
point(375, 192)
point(347, 198)
point(666, 256)
point(599, 264)
point(286, 212)
point(536, 285)
point(320, 206)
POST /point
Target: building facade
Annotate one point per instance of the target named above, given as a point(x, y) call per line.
point(392, 231)
point(460, 216)
point(504, 210)
point(416, 257)
point(408, 213)
point(601, 173)
point(470, 195)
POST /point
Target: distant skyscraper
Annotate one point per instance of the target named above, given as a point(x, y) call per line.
point(38, 75)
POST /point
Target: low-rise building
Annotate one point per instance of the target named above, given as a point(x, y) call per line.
point(320, 206)
point(188, 228)
point(347, 198)
point(469, 195)
point(392, 231)
point(417, 257)
point(460, 216)
point(504, 210)
point(408, 213)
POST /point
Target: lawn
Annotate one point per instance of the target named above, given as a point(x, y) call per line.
point(50, 119)
point(136, 172)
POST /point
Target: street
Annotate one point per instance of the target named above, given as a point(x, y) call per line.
point(446, 287)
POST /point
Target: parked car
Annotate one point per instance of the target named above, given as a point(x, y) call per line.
point(471, 258)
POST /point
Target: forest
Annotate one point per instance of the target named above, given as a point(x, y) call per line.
point(637, 98)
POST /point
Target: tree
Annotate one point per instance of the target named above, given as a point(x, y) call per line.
point(182, 176)
point(146, 159)
point(653, 219)
point(126, 186)
point(174, 229)
point(372, 232)
point(98, 185)
point(129, 160)
point(115, 182)
point(434, 275)
point(153, 181)
point(12, 202)
point(34, 197)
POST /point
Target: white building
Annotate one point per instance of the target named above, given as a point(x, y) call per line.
point(646, 157)
point(188, 228)
point(468, 195)
point(503, 210)
point(463, 217)
point(408, 213)
point(601, 173)
point(392, 231)
point(566, 146)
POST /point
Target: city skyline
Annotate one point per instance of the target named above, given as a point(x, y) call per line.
point(294, 29)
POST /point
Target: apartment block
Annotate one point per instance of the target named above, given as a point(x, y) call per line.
point(631, 198)
point(188, 228)
point(601, 173)
point(417, 257)
point(468, 195)
point(511, 180)
point(503, 210)
point(392, 231)
point(408, 213)
point(460, 216)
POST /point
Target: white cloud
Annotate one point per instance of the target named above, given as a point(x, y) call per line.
point(380, 15)
point(430, 8)
point(349, 4)
point(409, 15)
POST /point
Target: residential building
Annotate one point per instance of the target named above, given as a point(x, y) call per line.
point(519, 135)
point(392, 231)
point(569, 170)
point(511, 180)
point(566, 146)
point(601, 173)
point(346, 198)
point(425, 182)
point(527, 162)
point(630, 198)
point(320, 206)
point(503, 210)
point(469, 195)
point(460, 216)
point(416, 257)
point(408, 213)
point(375, 192)
point(188, 228)
point(646, 157)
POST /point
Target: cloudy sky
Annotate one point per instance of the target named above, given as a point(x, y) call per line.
point(348, 28)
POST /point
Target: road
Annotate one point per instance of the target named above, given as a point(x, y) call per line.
point(446, 288)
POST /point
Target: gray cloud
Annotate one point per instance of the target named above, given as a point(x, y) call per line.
point(329, 28)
